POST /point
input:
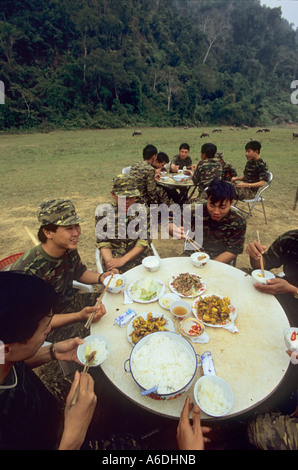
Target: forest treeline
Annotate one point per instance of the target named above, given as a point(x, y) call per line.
point(115, 63)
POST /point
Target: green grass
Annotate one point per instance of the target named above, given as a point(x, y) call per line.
point(81, 165)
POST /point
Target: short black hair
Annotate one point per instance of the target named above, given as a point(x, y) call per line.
point(209, 150)
point(25, 301)
point(162, 157)
point(220, 190)
point(149, 151)
point(184, 146)
point(41, 236)
point(253, 145)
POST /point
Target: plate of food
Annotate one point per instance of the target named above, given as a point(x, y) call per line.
point(187, 285)
point(146, 323)
point(214, 310)
point(146, 289)
point(167, 299)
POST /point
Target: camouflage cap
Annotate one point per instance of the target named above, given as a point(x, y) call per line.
point(58, 212)
point(125, 185)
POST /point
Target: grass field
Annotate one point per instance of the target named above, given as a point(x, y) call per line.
point(81, 164)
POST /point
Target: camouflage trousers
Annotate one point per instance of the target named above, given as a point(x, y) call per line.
point(273, 431)
point(244, 193)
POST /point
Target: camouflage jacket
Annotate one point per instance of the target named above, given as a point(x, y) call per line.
point(227, 234)
point(228, 171)
point(59, 272)
point(206, 171)
point(144, 175)
point(117, 235)
point(255, 171)
point(182, 163)
point(284, 252)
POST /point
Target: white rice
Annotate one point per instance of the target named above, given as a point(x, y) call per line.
point(212, 398)
point(162, 362)
point(101, 349)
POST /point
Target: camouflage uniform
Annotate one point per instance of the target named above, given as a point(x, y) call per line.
point(228, 171)
point(59, 272)
point(227, 234)
point(254, 172)
point(125, 186)
point(182, 163)
point(274, 431)
point(206, 171)
point(144, 175)
point(284, 252)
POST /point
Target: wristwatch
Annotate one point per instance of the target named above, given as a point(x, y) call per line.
point(296, 295)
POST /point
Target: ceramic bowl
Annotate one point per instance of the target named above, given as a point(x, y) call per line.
point(213, 395)
point(94, 343)
point(115, 287)
point(199, 259)
point(257, 276)
point(176, 306)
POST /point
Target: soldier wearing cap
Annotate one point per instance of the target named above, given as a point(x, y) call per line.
point(57, 261)
point(117, 248)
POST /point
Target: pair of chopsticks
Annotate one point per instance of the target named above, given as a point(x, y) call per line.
point(261, 259)
point(86, 368)
point(192, 242)
point(90, 319)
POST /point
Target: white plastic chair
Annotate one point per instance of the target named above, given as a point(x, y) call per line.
point(126, 170)
point(81, 286)
point(98, 261)
point(258, 198)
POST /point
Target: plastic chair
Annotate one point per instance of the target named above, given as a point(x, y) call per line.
point(258, 198)
point(126, 170)
point(98, 260)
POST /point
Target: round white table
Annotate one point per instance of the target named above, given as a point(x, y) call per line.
point(253, 360)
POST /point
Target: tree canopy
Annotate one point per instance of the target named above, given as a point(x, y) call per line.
point(114, 63)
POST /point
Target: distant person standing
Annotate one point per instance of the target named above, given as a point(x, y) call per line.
point(255, 173)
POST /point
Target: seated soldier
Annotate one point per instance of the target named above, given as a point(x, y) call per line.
point(57, 261)
point(254, 175)
point(228, 171)
point(144, 175)
point(282, 252)
point(223, 226)
point(208, 169)
point(182, 160)
point(160, 164)
point(116, 250)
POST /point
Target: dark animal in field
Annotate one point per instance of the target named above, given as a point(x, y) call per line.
point(266, 130)
point(204, 134)
point(216, 130)
point(295, 135)
point(260, 130)
point(136, 133)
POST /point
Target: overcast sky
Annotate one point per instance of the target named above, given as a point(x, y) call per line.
point(289, 9)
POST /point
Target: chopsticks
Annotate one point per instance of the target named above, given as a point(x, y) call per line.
point(33, 239)
point(86, 368)
point(90, 319)
point(193, 243)
point(261, 259)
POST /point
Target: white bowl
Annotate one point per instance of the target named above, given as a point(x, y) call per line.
point(228, 396)
point(291, 344)
point(94, 343)
point(113, 288)
point(183, 304)
point(166, 300)
point(180, 178)
point(257, 276)
point(163, 173)
point(199, 259)
point(151, 263)
point(164, 178)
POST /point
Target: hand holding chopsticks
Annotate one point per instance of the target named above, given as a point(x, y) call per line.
point(90, 319)
point(261, 259)
point(86, 368)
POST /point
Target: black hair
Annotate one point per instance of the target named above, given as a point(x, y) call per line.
point(41, 236)
point(209, 150)
point(149, 151)
point(253, 145)
point(184, 146)
point(162, 157)
point(220, 190)
point(25, 301)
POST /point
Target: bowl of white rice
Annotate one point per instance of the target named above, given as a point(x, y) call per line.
point(92, 343)
point(213, 395)
point(164, 360)
point(151, 263)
